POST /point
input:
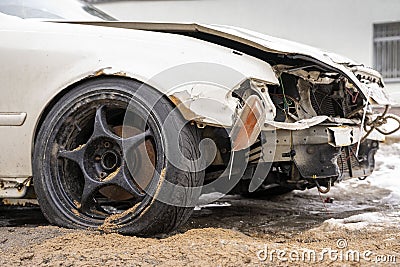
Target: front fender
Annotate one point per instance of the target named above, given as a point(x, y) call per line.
point(54, 57)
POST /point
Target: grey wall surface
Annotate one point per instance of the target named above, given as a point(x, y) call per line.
point(341, 26)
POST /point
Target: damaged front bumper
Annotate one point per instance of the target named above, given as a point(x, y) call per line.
point(321, 151)
point(321, 147)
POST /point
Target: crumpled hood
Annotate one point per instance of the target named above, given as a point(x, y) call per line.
point(353, 70)
point(369, 81)
point(282, 45)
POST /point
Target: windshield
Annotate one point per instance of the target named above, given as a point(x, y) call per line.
point(52, 10)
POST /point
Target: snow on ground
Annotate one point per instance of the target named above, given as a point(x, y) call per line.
point(210, 201)
point(366, 197)
point(386, 176)
point(365, 221)
point(387, 172)
point(372, 204)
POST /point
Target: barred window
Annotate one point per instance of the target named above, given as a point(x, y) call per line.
point(387, 50)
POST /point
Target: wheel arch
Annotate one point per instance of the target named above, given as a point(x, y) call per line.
point(53, 101)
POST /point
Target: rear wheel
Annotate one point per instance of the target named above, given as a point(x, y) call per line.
point(92, 169)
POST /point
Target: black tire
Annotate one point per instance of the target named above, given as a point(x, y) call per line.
point(66, 168)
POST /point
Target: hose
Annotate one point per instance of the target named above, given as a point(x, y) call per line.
point(378, 122)
point(326, 190)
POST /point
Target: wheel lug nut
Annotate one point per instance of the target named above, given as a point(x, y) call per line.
point(107, 144)
point(97, 158)
point(103, 174)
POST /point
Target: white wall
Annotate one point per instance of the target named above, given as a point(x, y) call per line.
point(341, 26)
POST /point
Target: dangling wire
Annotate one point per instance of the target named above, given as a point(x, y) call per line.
point(378, 122)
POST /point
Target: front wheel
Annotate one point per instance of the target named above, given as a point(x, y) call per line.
point(92, 169)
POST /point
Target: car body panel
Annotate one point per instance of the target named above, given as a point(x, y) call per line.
point(29, 47)
point(274, 45)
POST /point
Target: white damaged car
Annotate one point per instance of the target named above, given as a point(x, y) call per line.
point(120, 126)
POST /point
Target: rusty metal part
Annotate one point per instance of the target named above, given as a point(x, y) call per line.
point(14, 187)
point(326, 190)
point(352, 166)
point(19, 202)
point(143, 173)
